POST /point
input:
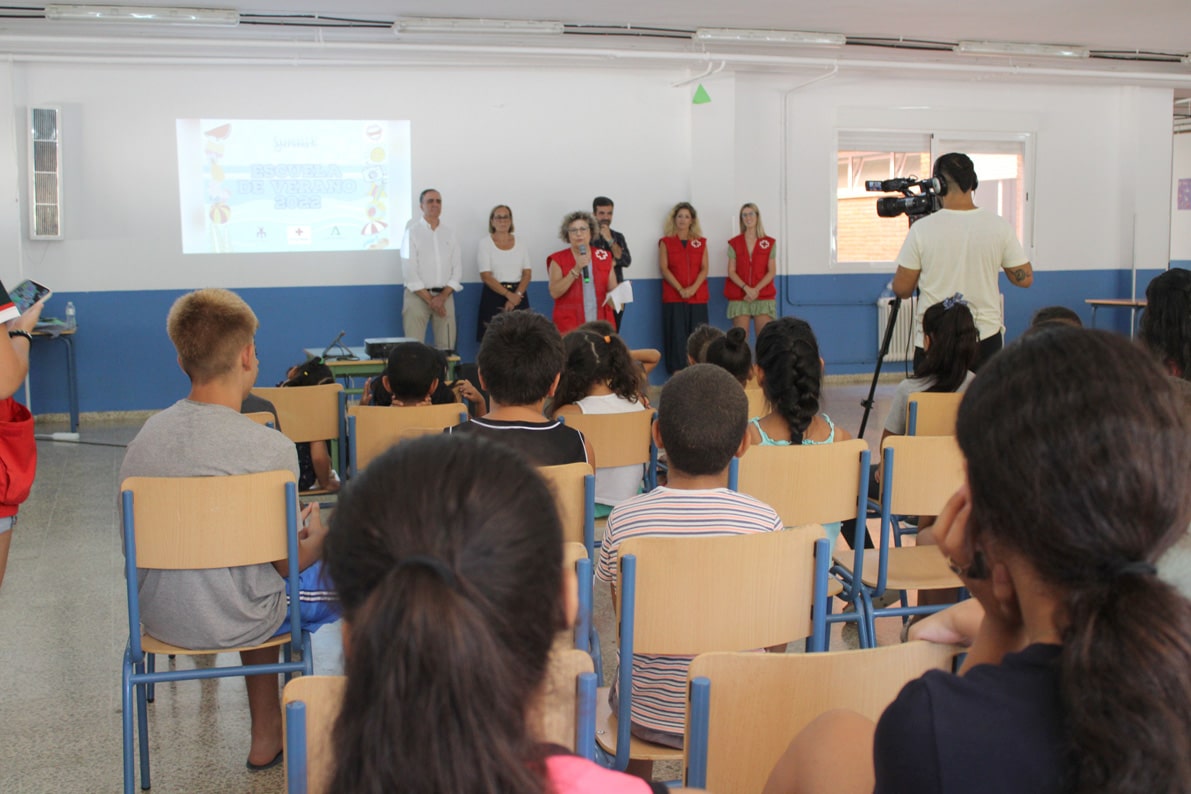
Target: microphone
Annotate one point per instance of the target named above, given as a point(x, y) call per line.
point(334, 344)
point(585, 271)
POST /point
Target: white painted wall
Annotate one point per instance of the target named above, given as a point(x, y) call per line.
point(544, 141)
point(1180, 220)
point(1102, 158)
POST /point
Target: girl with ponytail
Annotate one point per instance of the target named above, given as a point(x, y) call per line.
point(1079, 676)
point(453, 591)
point(951, 342)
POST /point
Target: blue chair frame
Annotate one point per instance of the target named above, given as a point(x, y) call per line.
point(138, 669)
point(854, 586)
point(824, 614)
point(817, 641)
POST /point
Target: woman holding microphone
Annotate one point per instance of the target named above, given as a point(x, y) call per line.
point(580, 276)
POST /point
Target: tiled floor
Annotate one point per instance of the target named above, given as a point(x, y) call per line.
point(63, 627)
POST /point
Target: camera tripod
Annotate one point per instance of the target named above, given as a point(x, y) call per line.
point(867, 403)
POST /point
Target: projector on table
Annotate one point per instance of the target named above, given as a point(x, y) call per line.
point(380, 347)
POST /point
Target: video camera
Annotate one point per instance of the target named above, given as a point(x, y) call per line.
point(914, 205)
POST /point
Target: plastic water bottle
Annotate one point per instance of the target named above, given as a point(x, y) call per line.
point(887, 293)
point(71, 321)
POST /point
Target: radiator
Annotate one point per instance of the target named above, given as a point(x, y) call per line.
point(901, 346)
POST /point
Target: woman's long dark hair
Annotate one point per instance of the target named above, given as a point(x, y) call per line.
point(788, 355)
point(1078, 454)
point(447, 555)
point(954, 344)
point(595, 358)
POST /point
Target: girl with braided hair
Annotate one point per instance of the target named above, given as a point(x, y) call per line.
point(791, 375)
point(790, 372)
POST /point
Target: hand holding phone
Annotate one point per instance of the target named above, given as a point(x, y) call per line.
point(27, 293)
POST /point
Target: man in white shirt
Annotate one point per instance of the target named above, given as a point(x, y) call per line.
point(961, 248)
point(431, 267)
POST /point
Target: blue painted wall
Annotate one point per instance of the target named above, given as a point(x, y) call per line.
point(126, 362)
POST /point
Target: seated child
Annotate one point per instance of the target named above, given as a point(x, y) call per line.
point(600, 378)
point(731, 351)
point(519, 364)
point(790, 372)
point(703, 424)
point(205, 435)
point(428, 596)
point(314, 459)
point(415, 374)
point(697, 342)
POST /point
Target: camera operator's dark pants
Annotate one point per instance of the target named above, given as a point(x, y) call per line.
point(988, 348)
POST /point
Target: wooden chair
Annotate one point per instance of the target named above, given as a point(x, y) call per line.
point(372, 429)
point(573, 485)
point(309, 414)
point(919, 475)
point(620, 440)
point(188, 523)
point(758, 404)
point(261, 418)
point(745, 708)
point(565, 715)
point(810, 485)
point(930, 413)
point(692, 595)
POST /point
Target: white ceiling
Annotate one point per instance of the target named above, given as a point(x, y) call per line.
point(1126, 27)
point(1147, 25)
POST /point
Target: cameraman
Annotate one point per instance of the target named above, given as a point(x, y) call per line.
point(961, 248)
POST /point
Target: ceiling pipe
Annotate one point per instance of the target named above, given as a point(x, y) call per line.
point(399, 49)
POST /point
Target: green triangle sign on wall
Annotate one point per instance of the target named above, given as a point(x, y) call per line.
point(701, 97)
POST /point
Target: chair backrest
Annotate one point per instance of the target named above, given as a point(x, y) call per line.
point(932, 413)
point(813, 484)
point(322, 696)
point(556, 716)
point(307, 413)
point(375, 428)
point(210, 522)
point(260, 417)
point(616, 439)
point(720, 593)
point(758, 404)
point(573, 486)
point(922, 473)
point(759, 702)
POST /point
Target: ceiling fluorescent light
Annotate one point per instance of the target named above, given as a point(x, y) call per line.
point(213, 17)
point(512, 27)
point(1021, 48)
point(793, 37)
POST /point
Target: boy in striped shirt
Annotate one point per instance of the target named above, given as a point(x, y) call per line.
point(702, 424)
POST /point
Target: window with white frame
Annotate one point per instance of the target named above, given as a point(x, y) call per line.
point(861, 236)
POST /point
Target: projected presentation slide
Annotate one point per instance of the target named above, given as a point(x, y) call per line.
point(249, 186)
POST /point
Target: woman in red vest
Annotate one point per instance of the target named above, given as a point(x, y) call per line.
point(752, 266)
point(580, 276)
point(682, 258)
